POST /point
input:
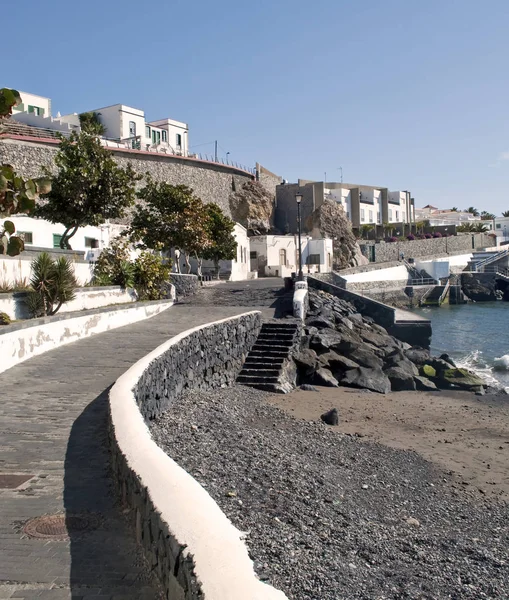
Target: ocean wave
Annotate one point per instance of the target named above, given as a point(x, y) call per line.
point(475, 362)
point(502, 363)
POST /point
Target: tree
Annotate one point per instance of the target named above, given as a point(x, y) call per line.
point(454, 209)
point(472, 211)
point(17, 195)
point(222, 243)
point(365, 230)
point(53, 282)
point(90, 123)
point(89, 188)
point(487, 216)
point(170, 216)
point(505, 213)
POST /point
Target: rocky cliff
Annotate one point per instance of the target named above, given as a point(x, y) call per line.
point(329, 220)
point(253, 207)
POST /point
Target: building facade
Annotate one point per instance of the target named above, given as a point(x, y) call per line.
point(362, 204)
point(278, 255)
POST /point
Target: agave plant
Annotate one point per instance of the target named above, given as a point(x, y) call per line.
point(53, 282)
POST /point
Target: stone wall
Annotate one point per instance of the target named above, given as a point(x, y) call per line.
point(211, 182)
point(268, 179)
point(460, 244)
point(188, 540)
point(185, 284)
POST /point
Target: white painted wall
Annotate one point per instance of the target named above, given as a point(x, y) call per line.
point(21, 344)
point(174, 128)
point(18, 269)
point(393, 274)
point(371, 207)
point(86, 299)
point(34, 120)
point(28, 99)
point(342, 196)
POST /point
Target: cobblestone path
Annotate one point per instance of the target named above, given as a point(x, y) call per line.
point(53, 429)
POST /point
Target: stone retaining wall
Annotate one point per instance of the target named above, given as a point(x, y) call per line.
point(212, 182)
point(190, 543)
point(458, 244)
point(185, 285)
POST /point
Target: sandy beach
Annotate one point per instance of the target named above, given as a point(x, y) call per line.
point(458, 431)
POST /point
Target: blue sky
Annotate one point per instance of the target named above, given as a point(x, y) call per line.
point(401, 93)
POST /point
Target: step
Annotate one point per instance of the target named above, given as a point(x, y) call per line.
point(276, 336)
point(270, 347)
point(263, 364)
point(259, 372)
point(269, 353)
point(287, 328)
point(256, 379)
point(265, 387)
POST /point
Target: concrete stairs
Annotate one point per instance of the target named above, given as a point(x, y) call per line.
point(266, 363)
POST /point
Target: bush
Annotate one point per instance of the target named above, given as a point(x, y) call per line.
point(113, 267)
point(53, 282)
point(392, 239)
point(437, 234)
point(427, 236)
point(410, 237)
point(4, 319)
point(150, 276)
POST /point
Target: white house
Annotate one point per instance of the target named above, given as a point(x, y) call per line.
point(277, 255)
point(33, 105)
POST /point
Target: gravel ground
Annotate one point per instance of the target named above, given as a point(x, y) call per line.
point(331, 516)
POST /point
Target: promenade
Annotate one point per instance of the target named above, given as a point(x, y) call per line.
point(53, 429)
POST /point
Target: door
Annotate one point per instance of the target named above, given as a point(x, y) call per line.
point(156, 137)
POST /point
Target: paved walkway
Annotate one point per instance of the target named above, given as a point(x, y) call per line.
point(53, 426)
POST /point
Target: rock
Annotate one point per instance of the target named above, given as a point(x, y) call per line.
point(398, 359)
point(369, 379)
point(476, 290)
point(413, 522)
point(428, 371)
point(319, 323)
point(306, 361)
point(325, 340)
point(346, 322)
point(439, 365)
point(364, 357)
point(461, 378)
point(330, 417)
point(424, 384)
point(400, 379)
point(306, 387)
point(324, 377)
point(447, 359)
point(419, 356)
point(337, 363)
point(253, 207)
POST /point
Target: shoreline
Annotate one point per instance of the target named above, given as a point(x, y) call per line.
point(460, 432)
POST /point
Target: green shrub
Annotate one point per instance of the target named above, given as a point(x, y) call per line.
point(54, 283)
point(113, 266)
point(4, 319)
point(150, 276)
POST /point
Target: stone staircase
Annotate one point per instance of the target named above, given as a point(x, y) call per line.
point(268, 366)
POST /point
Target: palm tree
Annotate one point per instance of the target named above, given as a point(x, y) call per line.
point(505, 213)
point(473, 211)
point(454, 209)
point(486, 216)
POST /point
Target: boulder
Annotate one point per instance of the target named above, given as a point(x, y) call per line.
point(419, 356)
point(319, 322)
point(336, 362)
point(424, 384)
point(439, 364)
point(398, 359)
point(369, 379)
point(447, 359)
point(330, 417)
point(460, 378)
point(364, 357)
point(306, 387)
point(324, 377)
point(428, 371)
point(324, 340)
point(306, 361)
point(400, 379)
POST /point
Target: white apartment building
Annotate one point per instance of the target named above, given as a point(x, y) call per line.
point(278, 255)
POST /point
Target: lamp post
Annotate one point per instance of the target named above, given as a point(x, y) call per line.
point(446, 250)
point(298, 199)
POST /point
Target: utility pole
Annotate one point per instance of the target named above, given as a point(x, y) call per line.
point(215, 151)
point(340, 169)
point(325, 177)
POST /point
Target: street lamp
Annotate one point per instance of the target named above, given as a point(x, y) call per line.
point(298, 199)
point(446, 251)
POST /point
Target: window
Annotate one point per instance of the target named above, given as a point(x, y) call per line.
point(164, 133)
point(390, 214)
point(56, 240)
point(156, 137)
point(26, 236)
point(91, 243)
point(363, 215)
point(147, 131)
point(313, 259)
point(499, 225)
point(282, 257)
point(253, 254)
point(378, 218)
point(36, 110)
point(397, 215)
point(132, 129)
point(371, 216)
point(178, 140)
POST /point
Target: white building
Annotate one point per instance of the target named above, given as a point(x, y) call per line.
point(440, 218)
point(39, 233)
point(33, 105)
point(277, 255)
point(500, 227)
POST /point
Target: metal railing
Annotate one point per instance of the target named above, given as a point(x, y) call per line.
point(444, 293)
point(423, 281)
point(480, 266)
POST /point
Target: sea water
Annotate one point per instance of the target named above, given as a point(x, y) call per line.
point(475, 335)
